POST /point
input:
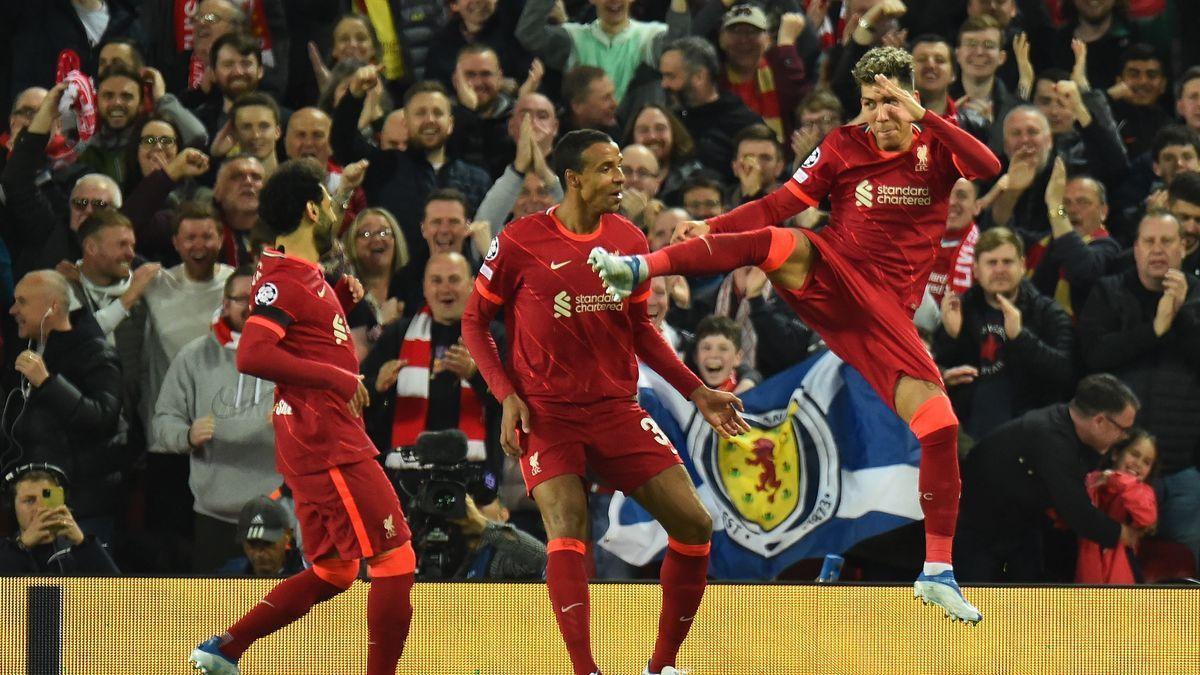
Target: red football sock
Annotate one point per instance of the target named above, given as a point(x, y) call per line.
point(567, 581)
point(389, 615)
point(288, 601)
point(767, 248)
point(936, 428)
point(683, 575)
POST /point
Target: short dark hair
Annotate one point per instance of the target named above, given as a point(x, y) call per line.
point(251, 99)
point(819, 99)
point(241, 42)
point(703, 178)
point(699, 54)
point(119, 70)
point(139, 61)
point(100, 220)
point(287, 193)
point(1186, 187)
point(568, 153)
point(719, 325)
point(758, 132)
point(425, 87)
point(576, 81)
point(891, 62)
point(1101, 394)
point(477, 48)
point(1173, 134)
point(447, 195)
point(1188, 75)
point(1054, 75)
point(243, 270)
point(925, 38)
point(197, 209)
point(1139, 51)
point(1098, 186)
point(994, 238)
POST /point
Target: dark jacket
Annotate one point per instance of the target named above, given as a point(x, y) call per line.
point(713, 126)
point(89, 558)
point(399, 181)
point(499, 33)
point(1033, 463)
point(38, 232)
point(1117, 332)
point(1079, 264)
point(1038, 362)
point(35, 32)
point(73, 420)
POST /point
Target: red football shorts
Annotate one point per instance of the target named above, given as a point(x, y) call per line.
point(615, 441)
point(861, 321)
point(350, 511)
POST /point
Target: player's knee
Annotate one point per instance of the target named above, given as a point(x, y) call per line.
point(336, 572)
point(566, 522)
point(393, 562)
point(696, 529)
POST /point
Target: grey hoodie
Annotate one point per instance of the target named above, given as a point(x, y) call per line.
point(238, 464)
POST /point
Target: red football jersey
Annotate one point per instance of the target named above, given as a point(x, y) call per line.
point(954, 268)
point(888, 209)
point(314, 429)
point(569, 341)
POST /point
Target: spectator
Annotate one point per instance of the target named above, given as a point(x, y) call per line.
point(490, 23)
point(544, 129)
point(660, 130)
point(1015, 17)
point(1078, 251)
point(1187, 100)
point(703, 196)
point(1007, 347)
point(48, 541)
point(642, 173)
point(934, 73)
point(71, 413)
point(407, 30)
point(182, 48)
point(953, 268)
point(267, 538)
point(236, 64)
point(157, 146)
point(1184, 201)
point(400, 181)
point(1103, 27)
point(1135, 97)
point(445, 228)
point(719, 356)
point(307, 137)
point(613, 42)
point(1143, 325)
point(496, 549)
point(24, 107)
point(657, 306)
point(758, 163)
point(118, 103)
point(1085, 134)
point(663, 227)
point(590, 98)
point(528, 185)
point(421, 377)
point(769, 80)
point(123, 54)
point(819, 113)
point(869, 23)
point(253, 130)
point(483, 110)
point(1034, 463)
point(1019, 202)
point(1123, 494)
point(376, 251)
point(1175, 149)
point(235, 202)
point(712, 116)
point(220, 418)
point(979, 54)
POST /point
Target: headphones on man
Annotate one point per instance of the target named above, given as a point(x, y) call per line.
point(18, 473)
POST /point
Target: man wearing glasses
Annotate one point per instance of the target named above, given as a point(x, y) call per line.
point(1143, 325)
point(220, 418)
point(1031, 465)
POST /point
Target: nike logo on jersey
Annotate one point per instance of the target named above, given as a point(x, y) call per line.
point(321, 292)
point(568, 608)
point(556, 265)
point(685, 619)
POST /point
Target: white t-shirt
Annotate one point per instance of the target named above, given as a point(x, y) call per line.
point(95, 22)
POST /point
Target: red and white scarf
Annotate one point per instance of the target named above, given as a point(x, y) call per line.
point(412, 393)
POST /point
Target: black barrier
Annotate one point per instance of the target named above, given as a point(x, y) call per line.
point(43, 653)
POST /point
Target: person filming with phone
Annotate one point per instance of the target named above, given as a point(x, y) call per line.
point(48, 541)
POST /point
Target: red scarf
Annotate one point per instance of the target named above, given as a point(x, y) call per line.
point(185, 34)
point(412, 392)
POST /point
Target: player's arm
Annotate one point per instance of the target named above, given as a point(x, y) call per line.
point(349, 291)
point(477, 336)
point(260, 354)
point(973, 159)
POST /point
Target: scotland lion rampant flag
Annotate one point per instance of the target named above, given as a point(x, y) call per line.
point(825, 465)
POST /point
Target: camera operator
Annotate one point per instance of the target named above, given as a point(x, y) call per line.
point(421, 378)
point(496, 549)
point(48, 541)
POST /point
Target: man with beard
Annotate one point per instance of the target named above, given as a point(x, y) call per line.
point(401, 181)
point(219, 418)
point(568, 392)
point(1135, 97)
point(297, 336)
point(179, 304)
point(236, 68)
point(691, 76)
point(1010, 346)
point(181, 48)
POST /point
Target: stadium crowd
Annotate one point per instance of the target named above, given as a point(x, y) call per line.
point(1063, 310)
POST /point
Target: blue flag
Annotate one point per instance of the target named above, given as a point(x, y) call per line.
point(825, 465)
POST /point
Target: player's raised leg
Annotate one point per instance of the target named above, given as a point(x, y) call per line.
point(563, 504)
point(926, 409)
point(671, 498)
point(782, 251)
